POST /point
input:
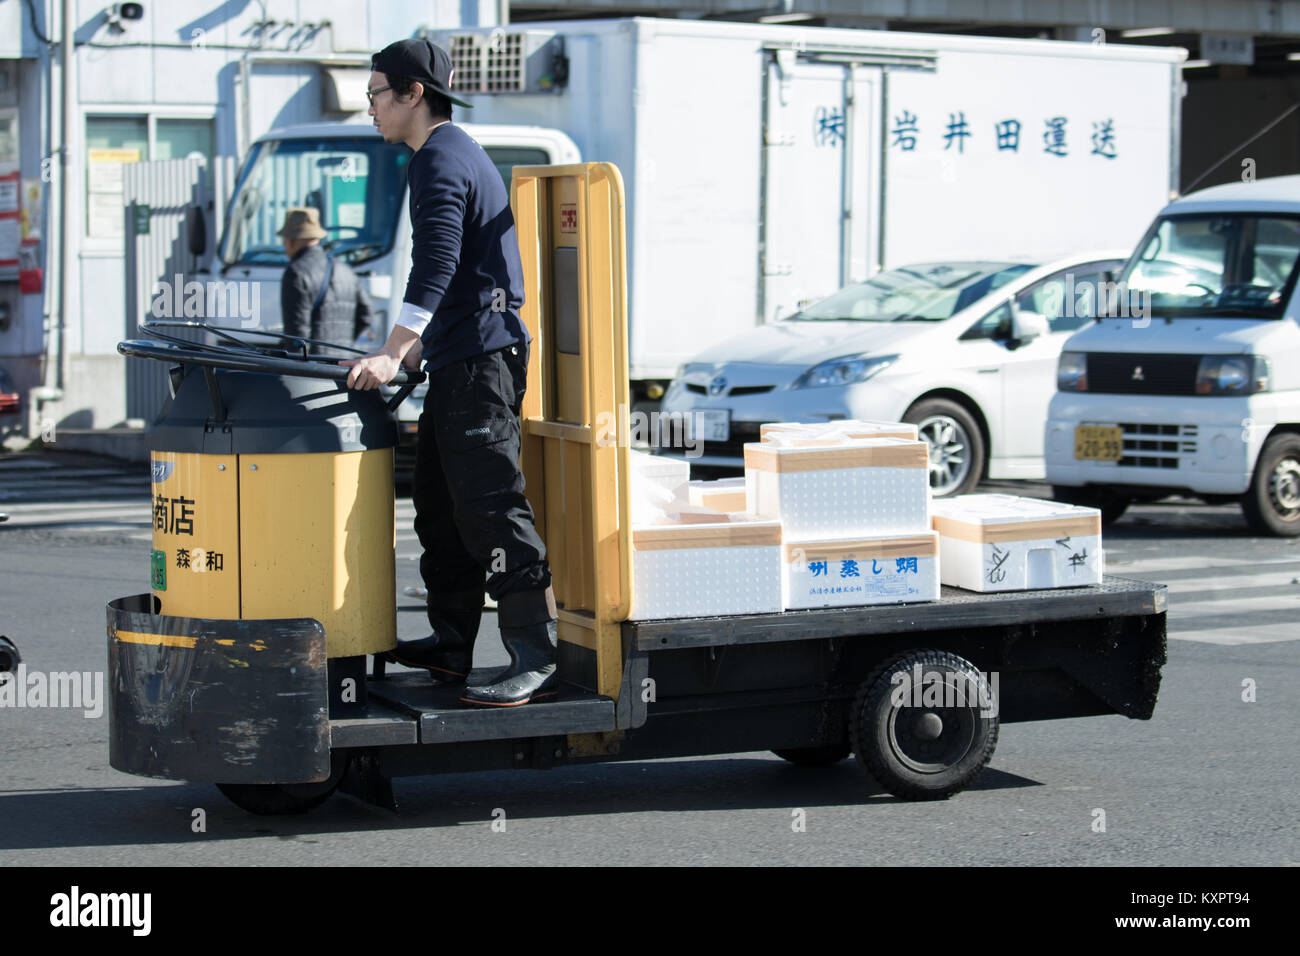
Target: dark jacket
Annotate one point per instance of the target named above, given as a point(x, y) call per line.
point(465, 266)
point(344, 312)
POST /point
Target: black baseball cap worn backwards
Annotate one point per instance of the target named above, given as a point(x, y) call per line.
point(421, 60)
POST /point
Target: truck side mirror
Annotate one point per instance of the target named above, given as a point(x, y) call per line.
point(196, 225)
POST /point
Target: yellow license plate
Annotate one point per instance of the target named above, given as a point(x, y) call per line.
point(1096, 443)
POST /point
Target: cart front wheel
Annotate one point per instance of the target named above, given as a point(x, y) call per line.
point(279, 799)
point(924, 725)
point(814, 756)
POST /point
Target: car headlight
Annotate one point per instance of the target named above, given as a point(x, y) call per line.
point(1072, 372)
point(693, 373)
point(1232, 375)
point(845, 370)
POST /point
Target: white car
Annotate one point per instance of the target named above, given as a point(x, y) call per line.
point(965, 350)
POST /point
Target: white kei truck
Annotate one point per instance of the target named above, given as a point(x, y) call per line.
point(765, 165)
point(1191, 386)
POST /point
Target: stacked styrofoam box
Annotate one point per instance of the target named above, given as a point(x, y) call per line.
point(849, 428)
point(661, 471)
point(725, 494)
point(817, 434)
point(731, 566)
point(657, 484)
point(854, 515)
point(886, 569)
point(1007, 543)
point(872, 486)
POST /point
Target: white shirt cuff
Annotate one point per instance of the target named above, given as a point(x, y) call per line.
point(413, 317)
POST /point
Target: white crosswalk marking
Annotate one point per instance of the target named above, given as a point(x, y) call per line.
point(1214, 608)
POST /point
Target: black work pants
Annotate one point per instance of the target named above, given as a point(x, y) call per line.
point(471, 516)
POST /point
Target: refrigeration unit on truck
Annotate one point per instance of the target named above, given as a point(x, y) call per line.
point(1191, 384)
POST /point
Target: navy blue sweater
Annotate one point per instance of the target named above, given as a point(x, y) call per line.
point(464, 247)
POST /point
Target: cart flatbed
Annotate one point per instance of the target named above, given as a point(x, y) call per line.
point(405, 707)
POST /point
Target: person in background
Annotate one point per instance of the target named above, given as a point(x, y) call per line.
point(320, 296)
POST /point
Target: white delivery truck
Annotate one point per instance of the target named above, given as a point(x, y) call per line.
point(765, 166)
point(1191, 385)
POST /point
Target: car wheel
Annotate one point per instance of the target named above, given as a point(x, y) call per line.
point(956, 445)
point(1272, 503)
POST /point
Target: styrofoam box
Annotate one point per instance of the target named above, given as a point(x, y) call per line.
point(1007, 543)
point(869, 487)
point(888, 569)
point(850, 428)
point(702, 570)
point(670, 474)
point(725, 494)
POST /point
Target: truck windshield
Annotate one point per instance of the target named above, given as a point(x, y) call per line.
point(928, 292)
point(1199, 265)
point(356, 183)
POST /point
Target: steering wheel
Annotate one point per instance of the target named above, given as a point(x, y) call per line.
point(283, 355)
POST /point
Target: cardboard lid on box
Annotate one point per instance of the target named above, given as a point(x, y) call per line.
point(726, 494)
point(998, 518)
point(866, 453)
point(738, 531)
point(924, 544)
point(851, 428)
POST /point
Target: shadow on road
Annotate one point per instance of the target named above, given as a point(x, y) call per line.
point(122, 816)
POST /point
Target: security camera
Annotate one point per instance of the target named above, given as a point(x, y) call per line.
point(123, 11)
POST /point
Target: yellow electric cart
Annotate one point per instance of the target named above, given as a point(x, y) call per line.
point(273, 584)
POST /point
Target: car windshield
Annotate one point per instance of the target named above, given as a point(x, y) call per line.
point(928, 292)
point(356, 183)
point(1194, 266)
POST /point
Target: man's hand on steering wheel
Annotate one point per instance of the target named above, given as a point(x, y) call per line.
point(372, 371)
point(403, 348)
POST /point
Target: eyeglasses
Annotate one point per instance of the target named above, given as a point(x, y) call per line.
point(371, 94)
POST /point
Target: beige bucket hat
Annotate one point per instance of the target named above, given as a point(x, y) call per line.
point(302, 222)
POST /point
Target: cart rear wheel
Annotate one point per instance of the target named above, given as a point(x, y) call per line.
point(924, 725)
point(279, 799)
point(814, 756)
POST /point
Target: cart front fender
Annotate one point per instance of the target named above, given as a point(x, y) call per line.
point(216, 701)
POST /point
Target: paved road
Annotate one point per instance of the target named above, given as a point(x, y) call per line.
point(1209, 780)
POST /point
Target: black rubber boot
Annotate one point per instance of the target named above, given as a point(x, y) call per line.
point(448, 653)
point(529, 633)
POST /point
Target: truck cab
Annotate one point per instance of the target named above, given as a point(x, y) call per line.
point(358, 182)
point(1190, 384)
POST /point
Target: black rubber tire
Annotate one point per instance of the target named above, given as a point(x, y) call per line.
point(281, 799)
point(1275, 487)
point(1112, 505)
point(889, 746)
point(936, 408)
point(814, 756)
point(271, 799)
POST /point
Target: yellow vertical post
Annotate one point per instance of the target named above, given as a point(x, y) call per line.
point(570, 221)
